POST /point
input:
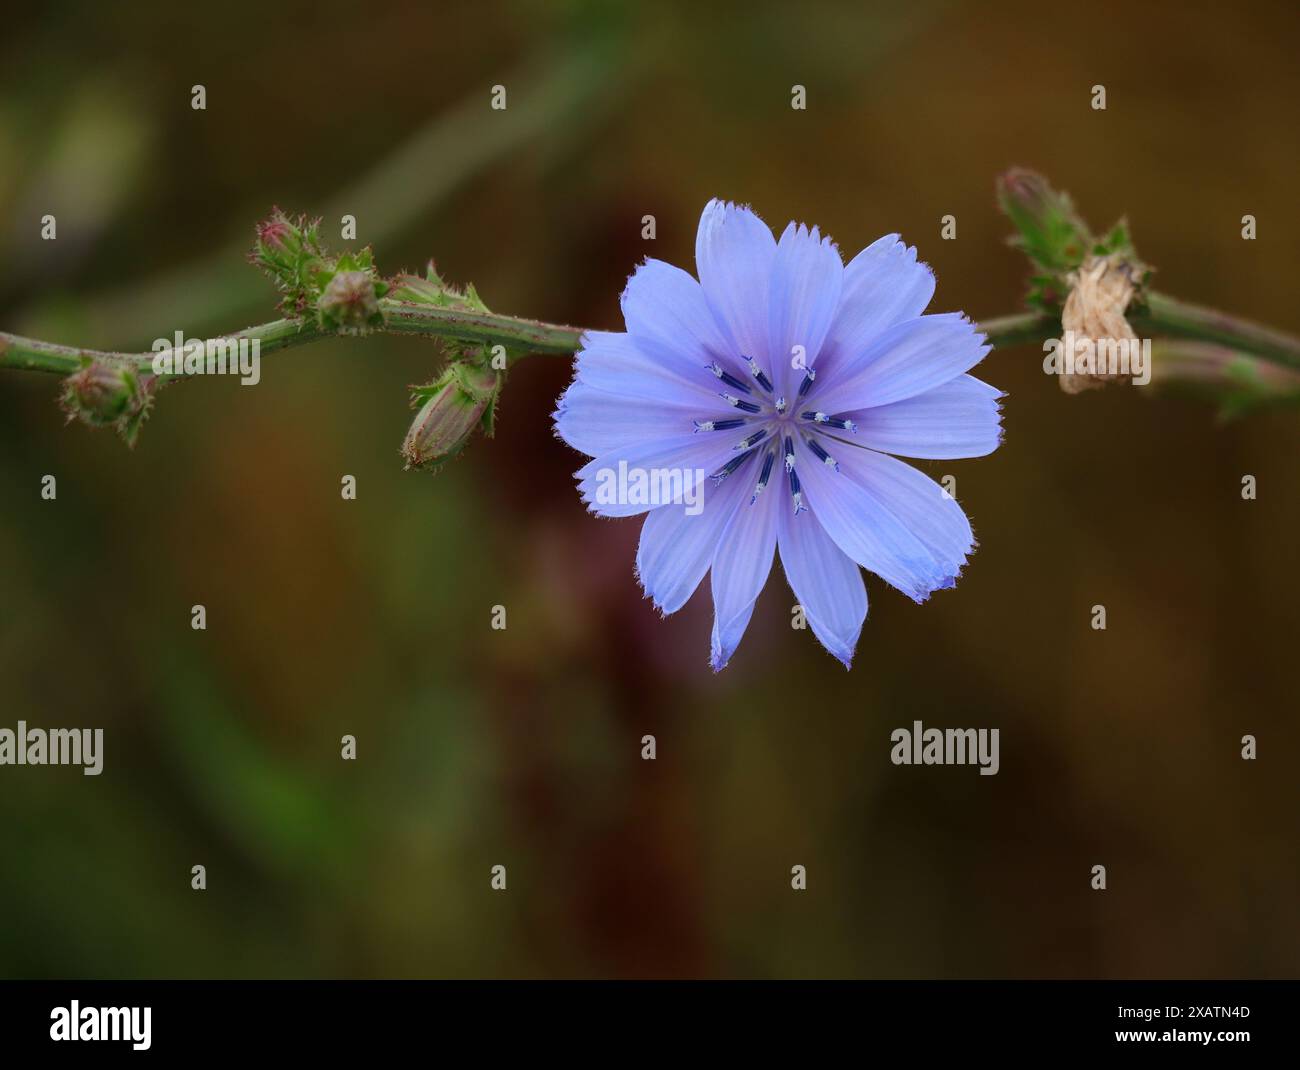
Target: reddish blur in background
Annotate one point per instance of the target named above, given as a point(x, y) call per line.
point(522, 747)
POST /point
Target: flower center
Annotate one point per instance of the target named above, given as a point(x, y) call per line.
point(767, 426)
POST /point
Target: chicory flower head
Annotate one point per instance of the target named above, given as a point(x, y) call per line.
point(755, 411)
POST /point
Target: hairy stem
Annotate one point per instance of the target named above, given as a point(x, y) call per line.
point(1179, 319)
point(485, 328)
point(518, 335)
point(1162, 316)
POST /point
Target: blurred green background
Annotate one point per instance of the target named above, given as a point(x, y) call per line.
point(522, 747)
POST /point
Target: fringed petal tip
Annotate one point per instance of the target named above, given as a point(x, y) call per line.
point(649, 596)
point(894, 247)
point(646, 262)
point(803, 232)
point(556, 416)
point(721, 206)
point(910, 256)
point(842, 654)
point(921, 595)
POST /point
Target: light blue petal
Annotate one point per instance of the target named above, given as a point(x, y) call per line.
point(677, 547)
point(961, 418)
point(612, 361)
point(689, 460)
point(671, 322)
point(807, 277)
point(742, 561)
point(825, 580)
point(723, 645)
point(883, 285)
point(924, 507)
point(734, 255)
point(909, 358)
point(596, 421)
point(898, 524)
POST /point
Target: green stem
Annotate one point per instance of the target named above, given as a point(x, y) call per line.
point(1019, 329)
point(1177, 319)
point(1161, 316)
point(27, 354)
point(483, 328)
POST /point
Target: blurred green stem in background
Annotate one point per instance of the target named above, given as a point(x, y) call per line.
point(567, 98)
point(1208, 371)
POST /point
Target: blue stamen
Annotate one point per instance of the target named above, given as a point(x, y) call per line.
point(763, 478)
point(718, 425)
point(838, 422)
point(735, 402)
point(822, 455)
point(730, 467)
point(758, 375)
point(795, 491)
point(728, 378)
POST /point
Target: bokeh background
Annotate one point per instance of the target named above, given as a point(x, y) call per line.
point(522, 747)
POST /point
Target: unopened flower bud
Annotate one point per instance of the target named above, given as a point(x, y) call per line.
point(274, 233)
point(1048, 229)
point(289, 251)
point(462, 399)
point(100, 393)
point(103, 394)
point(285, 244)
point(349, 300)
point(1026, 197)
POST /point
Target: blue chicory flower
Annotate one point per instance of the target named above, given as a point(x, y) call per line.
point(789, 379)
